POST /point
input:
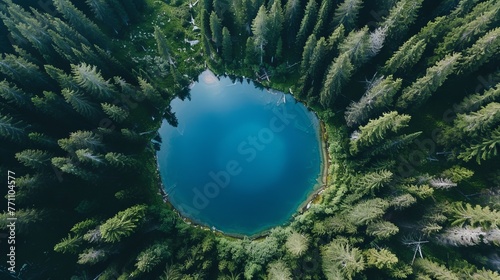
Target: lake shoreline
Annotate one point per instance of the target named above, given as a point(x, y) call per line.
point(312, 197)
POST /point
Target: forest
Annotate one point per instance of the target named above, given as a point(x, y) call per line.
point(408, 90)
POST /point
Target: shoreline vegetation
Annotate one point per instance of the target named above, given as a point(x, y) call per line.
point(313, 197)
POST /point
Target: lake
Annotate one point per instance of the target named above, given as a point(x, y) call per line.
point(242, 159)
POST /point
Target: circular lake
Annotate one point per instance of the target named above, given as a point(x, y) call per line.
point(242, 159)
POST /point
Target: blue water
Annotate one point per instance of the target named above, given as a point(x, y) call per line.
point(242, 159)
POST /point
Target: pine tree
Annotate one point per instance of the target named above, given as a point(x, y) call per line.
point(122, 224)
point(12, 94)
point(307, 23)
point(119, 160)
point(12, 129)
point(323, 18)
point(89, 78)
point(259, 29)
point(90, 157)
point(275, 22)
point(80, 22)
point(80, 103)
point(434, 270)
point(480, 53)
point(70, 244)
point(377, 129)
point(151, 257)
point(400, 18)
point(373, 181)
point(297, 244)
point(20, 70)
point(347, 13)
point(341, 260)
point(406, 56)
point(473, 215)
point(462, 236)
point(416, 94)
point(92, 256)
point(381, 229)
point(463, 34)
point(403, 201)
point(216, 29)
point(485, 149)
point(279, 270)
point(293, 13)
point(381, 258)
point(227, 46)
point(357, 45)
point(103, 12)
point(479, 121)
point(35, 159)
point(365, 212)
point(162, 44)
point(473, 102)
point(81, 140)
point(116, 113)
point(307, 54)
point(339, 73)
point(378, 96)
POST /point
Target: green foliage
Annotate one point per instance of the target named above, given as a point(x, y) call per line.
point(406, 56)
point(379, 94)
point(432, 269)
point(483, 150)
point(367, 211)
point(347, 13)
point(382, 229)
point(34, 158)
point(279, 270)
point(122, 224)
point(380, 259)
point(297, 244)
point(377, 129)
point(68, 244)
point(466, 214)
point(338, 74)
point(151, 257)
point(416, 94)
point(342, 260)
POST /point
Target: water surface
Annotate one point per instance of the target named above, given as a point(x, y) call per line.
point(242, 159)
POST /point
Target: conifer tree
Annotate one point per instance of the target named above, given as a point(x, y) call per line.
point(80, 103)
point(216, 29)
point(382, 229)
point(80, 22)
point(275, 27)
point(482, 50)
point(347, 13)
point(122, 224)
point(34, 158)
point(380, 259)
point(116, 113)
point(485, 149)
point(307, 23)
point(432, 269)
point(401, 17)
point(324, 17)
point(341, 260)
point(227, 46)
point(339, 73)
point(377, 129)
point(378, 96)
point(260, 31)
point(297, 244)
point(11, 128)
point(479, 121)
point(357, 45)
point(416, 94)
point(406, 56)
point(365, 212)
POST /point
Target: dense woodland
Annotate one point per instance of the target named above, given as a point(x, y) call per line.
point(408, 90)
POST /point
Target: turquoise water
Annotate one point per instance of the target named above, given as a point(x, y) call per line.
point(242, 159)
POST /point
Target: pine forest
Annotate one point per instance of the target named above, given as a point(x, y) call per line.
point(408, 92)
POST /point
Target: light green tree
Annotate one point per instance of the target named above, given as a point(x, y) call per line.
point(339, 73)
point(340, 260)
point(381, 258)
point(347, 13)
point(122, 224)
point(297, 243)
point(377, 129)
